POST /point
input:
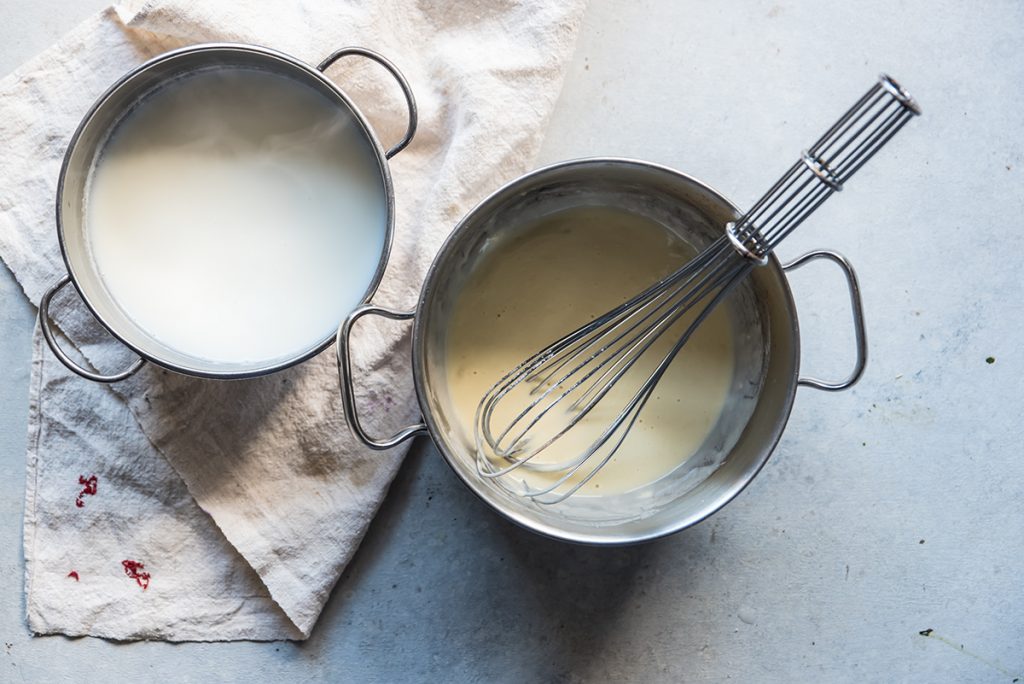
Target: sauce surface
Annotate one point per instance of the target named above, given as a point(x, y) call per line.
point(236, 215)
point(556, 275)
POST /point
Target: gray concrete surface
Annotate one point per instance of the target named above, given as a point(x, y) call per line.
point(886, 512)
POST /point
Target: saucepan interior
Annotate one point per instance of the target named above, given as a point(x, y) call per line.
point(765, 334)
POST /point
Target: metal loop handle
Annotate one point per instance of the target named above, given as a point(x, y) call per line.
point(348, 398)
point(51, 339)
point(857, 307)
point(406, 90)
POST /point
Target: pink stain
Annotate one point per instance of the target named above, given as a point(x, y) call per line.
point(89, 489)
point(134, 571)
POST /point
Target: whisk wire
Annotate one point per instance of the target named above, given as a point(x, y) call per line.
point(631, 412)
point(581, 338)
point(636, 345)
point(578, 371)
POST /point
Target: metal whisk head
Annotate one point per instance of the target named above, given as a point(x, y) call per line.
point(578, 399)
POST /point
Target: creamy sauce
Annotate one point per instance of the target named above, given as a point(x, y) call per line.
point(237, 216)
point(555, 276)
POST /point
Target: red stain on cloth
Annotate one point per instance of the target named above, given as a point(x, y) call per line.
point(74, 574)
point(89, 489)
point(134, 570)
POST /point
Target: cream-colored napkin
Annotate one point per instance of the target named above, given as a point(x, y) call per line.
point(183, 509)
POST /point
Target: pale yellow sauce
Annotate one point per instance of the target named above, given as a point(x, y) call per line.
point(556, 275)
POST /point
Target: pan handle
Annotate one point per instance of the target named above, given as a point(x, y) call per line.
point(406, 90)
point(348, 400)
point(857, 307)
point(47, 327)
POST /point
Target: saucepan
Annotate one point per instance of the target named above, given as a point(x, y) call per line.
point(762, 312)
point(86, 149)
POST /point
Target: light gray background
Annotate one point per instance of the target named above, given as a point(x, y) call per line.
point(887, 510)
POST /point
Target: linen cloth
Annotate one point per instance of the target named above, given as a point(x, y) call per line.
point(169, 507)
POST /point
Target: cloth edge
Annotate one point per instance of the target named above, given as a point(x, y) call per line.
point(31, 474)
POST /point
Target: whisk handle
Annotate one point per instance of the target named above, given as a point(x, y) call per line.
point(857, 306)
point(348, 398)
point(824, 168)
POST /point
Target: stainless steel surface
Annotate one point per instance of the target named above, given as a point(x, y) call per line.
point(552, 392)
point(46, 325)
point(767, 356)
point(104, 116)
point(857, 309)
point(410, 101)
point(348, 389)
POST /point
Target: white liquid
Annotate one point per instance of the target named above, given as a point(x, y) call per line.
point(237, 216)
point(559, 274)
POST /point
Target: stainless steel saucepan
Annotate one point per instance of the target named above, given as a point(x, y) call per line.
point(86, 148)
point(761, 310)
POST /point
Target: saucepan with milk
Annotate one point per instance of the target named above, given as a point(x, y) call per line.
point(222, 208)
point(549, 252)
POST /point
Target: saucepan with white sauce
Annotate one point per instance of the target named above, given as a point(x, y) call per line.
point(222, 208)
point(540, 257)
